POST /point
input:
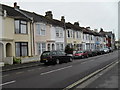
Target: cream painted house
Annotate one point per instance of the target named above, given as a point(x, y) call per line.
point(15, 38)
point(74, 35)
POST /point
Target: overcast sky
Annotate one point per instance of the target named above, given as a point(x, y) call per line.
point(95, 13)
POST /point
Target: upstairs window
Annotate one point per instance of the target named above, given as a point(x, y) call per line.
point(20, 27)
point(68, 33)
point(73, 34)
point(59, 32)
point(78, 34)
point(40, 29)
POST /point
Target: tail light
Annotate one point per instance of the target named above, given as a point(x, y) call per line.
point(50, 57)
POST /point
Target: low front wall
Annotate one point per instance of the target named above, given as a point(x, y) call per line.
point(1, 65)
point(8, 60)
point(30, 59)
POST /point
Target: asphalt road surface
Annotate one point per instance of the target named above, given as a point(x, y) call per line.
point(56, 76)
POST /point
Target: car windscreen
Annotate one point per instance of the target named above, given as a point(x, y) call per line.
point(46, 54)
point(79, 52)
point(53, 53)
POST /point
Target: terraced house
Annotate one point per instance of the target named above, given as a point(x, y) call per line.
point(74, 35)
point(88, 39)
point(15, 38)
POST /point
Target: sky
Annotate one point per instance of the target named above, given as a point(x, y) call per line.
point(95, 14)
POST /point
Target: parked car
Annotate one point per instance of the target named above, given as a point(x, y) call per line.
point(106, 50)
point(110, 49)
point(100, 51)
point(90, 53)
point(81, 54)
point(94, 52)
point(55, 57)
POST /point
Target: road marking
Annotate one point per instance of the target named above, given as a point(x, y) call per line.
point(49, 66)
point(56, 70)
point(19, 72)
point(83, 62)
point(31, 70)
point(7, 83)
point(40, 68)
point(89, 76)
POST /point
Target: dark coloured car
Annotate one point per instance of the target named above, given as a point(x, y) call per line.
point(81, 54)
point(94, 52)
point(55, 57)
point(100, 51)
point(90, 53)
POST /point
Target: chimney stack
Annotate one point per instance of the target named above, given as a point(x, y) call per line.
point(49, 14)
point(76, 23)
point(88, 28)
point(62, 19)
point(101, 30)
point(96, 30)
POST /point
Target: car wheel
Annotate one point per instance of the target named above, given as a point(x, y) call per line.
point(57, 61)
point(82, 57)
point(70, 59)
point(46, 63)
point(87, 56)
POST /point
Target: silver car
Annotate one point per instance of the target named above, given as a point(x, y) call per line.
point(106, 50)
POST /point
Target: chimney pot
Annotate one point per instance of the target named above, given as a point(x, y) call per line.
point(15, 4)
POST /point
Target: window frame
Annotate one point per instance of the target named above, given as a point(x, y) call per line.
point(40, 29)
point(40, 49)
point(20, 48)
point(20, 26)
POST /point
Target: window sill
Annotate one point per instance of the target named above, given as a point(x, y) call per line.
point(40, 35)
point(21, 34)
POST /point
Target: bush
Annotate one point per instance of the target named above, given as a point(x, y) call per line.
point(16, 60)
point(68, 50)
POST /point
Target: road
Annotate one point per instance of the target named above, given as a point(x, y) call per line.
point(56, 76)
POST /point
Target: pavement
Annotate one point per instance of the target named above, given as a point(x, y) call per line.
point(19, 66)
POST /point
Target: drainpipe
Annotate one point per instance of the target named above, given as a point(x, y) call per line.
point(33, 37)
point(65, 34)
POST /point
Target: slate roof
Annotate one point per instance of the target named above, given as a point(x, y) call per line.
point(22, 14)
point(40, 18)
point(91, 32)
point(72, 26)
point(11, 12)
